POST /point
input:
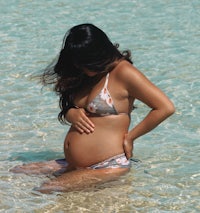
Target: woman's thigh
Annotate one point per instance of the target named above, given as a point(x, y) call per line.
point(81, 179)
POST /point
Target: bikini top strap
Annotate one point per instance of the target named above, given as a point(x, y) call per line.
point(106, 82)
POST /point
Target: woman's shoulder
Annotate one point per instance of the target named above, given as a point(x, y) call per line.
point(128, 74)
point(124, 69)
point(123, 64)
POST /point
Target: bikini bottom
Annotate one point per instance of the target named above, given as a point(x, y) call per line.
point(117, 161)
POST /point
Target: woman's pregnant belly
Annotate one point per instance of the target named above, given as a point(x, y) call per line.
point(82, 150)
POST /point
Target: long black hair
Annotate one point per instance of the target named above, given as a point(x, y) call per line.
point(84, 46)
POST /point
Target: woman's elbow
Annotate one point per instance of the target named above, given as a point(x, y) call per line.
point(169, 109)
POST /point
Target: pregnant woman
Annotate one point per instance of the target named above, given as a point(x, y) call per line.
point(97, 86)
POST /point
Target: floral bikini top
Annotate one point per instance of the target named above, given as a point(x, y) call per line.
point(102, 104)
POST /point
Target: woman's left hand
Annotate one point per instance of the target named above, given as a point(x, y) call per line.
point(128, 146)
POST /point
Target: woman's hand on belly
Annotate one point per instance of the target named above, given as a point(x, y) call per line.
point(79, 119)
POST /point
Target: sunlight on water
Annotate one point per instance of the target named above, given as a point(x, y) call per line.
point(164, 39)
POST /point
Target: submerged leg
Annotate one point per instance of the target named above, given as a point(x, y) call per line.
point(81, 179)
point(48, 167)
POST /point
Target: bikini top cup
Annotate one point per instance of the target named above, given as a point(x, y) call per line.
point(102, 104)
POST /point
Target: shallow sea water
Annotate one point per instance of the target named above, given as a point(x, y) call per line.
point(164, 37)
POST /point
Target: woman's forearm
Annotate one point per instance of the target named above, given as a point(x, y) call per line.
point(153, 119)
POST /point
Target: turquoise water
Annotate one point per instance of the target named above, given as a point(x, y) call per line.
point(164, 37)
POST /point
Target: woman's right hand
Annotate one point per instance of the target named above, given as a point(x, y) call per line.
point(79, 119)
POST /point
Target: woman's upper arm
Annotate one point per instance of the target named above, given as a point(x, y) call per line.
point(141, 88)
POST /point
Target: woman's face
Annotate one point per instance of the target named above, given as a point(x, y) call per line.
point(89, 73)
